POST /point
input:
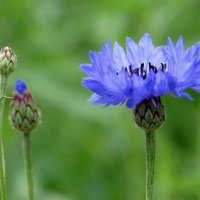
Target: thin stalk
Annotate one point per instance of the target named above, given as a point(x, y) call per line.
point(28, 164)
point(3, 86)
point(150, 163)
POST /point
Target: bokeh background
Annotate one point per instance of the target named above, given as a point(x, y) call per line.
point(81, 151)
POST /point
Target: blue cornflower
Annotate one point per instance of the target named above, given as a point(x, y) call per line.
point(142, 72)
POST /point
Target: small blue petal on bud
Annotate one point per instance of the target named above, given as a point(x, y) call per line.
point(20, 87)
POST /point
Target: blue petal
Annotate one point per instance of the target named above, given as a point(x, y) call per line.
point(96, 99)
point(150, 81)
point(20, 87)
point(157, 56)
point(172, 81)
point(183, 94)
point(146, 48)
point(146, 42)
point(107, 55)
point(131, 103)
point(180, 50)
point(88, 69)
point(171, 48)
point(94, 86)
point(139, 92)
point(120, 56)
point(192, 52)
point(162, 85)
point(132, 52)
point(138, 97)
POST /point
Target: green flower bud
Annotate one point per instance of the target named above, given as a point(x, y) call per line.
point(149, 114)
point(7, 61)
point(24, 114)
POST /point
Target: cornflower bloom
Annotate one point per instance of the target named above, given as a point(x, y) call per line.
point(142, 72)
point(139, 77)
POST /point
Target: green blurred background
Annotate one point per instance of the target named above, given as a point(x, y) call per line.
point(81, 151)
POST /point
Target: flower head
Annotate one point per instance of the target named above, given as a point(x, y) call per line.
point(142, 72)
point(24, 114)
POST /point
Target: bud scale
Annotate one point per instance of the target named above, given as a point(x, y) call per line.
point(149, 114)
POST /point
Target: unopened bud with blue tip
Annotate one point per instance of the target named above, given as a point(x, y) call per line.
point(24, 114)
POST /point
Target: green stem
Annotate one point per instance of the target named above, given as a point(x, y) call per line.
point(28, 164)
point(150, 163)
point(3, 86)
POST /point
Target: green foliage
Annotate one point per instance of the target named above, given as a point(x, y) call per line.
point(84, 152)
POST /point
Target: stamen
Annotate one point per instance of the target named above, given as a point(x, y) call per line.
point(151, 67)
point(144, 75)
point(130, 69)
point(163, 67)
point(142, 67)
point(136, 71)
point(143, 71)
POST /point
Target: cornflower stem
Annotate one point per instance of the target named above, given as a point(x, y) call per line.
point(28, 164)
point(150, 163)
point(3, 86)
